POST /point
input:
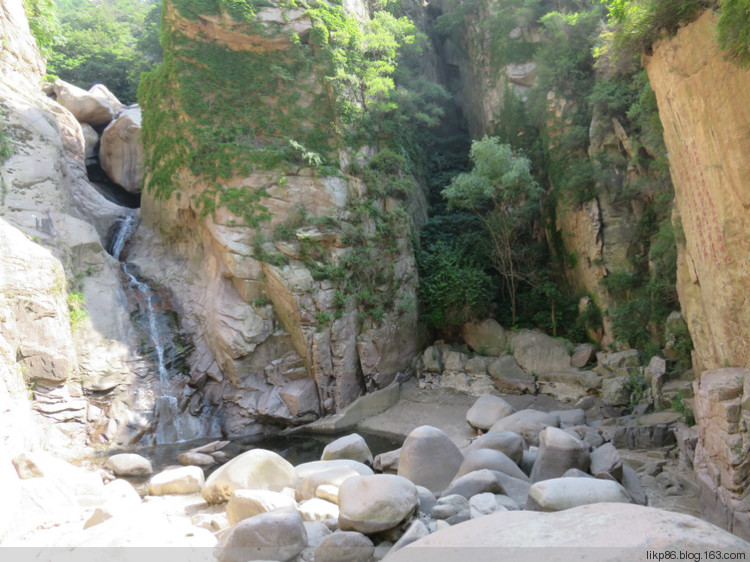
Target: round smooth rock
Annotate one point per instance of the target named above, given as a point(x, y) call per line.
point(345, 546)
point(129, 464)
point(508, 442)
point(183, 480)
point(370, 504)
point(558, 452)
point(248, 503)
point(276, 535)
point(527, 423)
point(351, 447)
point(257, 469)
point(487, 410)
point(429, 458)
point(493, 460)
point(557, 494)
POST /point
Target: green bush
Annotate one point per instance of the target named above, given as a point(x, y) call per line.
point(734, 30)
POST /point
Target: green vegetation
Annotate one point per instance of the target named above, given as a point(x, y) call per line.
point(88, 42)
point(6, 140)
point(636, 25)
point(77, 309)
point(502, 194)
point(681, 407)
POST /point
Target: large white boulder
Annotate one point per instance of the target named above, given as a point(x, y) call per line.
point(129, 464)
point(88, 107)
point(508, 442)
point(121, 150)
point(370, 504)
point(257, 469)
point(183, 480)
point(563, 493)
point(351, 446)
point(276, 535)
point(558, 452)
point(527, 423)
point(478, 459)
point(429, 458)
point(607, 525)
point(248, 503)
point(486, 411)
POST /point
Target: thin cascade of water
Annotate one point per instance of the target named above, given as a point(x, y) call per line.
point(156, 327)
point(126, 227)
point(169, 427)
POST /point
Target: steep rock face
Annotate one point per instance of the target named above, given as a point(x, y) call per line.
point(263, 258)
point(53, 223)
point(704, 106)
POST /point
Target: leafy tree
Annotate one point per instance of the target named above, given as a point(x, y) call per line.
point(44, 24)
point(109, 42)
point(502, 193)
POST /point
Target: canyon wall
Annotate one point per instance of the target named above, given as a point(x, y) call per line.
point(68, 361)
point(296, 280)
point(704, 104)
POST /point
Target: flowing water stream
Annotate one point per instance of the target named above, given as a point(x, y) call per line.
point(158, 325)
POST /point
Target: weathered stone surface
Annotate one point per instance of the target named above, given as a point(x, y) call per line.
point(387, 462)
point(558, 452)
point(328, 492)
point(722, 470)
point(483, 504)
point(306, 469)
point(486, 411)
point(583, 353)
point(184, 480)
point(88, 107)
point(244, 504)
point(308, 485)
point(527, 423)
point(256, 469)
point(344, 546)
point(415, 531)
point(351, 446)
point(477, 459)
point(429, 458)
point(318, 509)
point(633, 487)
point(539, 353)
point(195, 459)
point(569, 386)
point(486, 337)
point(704, 134)
point(509, 378)
point(427, 499)
point(449, 505)
point(485, 480)
point(616, 391)
point(370, 504)
point(121, 150)
point(276, 535)
point(563, 493)
point(129, 464)
point(508, 442)
point(606, 460)
point(604, 525)
point(32, 290)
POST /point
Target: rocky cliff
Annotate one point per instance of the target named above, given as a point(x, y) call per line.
point(68, 360)
point(704, 104)
point(294, 276)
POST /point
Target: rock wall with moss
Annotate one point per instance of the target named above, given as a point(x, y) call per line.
point(526, 72)
point(282, 231)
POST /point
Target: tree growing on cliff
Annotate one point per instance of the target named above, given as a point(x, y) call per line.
point(502, 193)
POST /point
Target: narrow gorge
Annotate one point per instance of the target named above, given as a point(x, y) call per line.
point(274, 241)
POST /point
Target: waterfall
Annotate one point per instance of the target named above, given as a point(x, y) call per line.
point(158, 329)
point(169, 426)
point(125, 228)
